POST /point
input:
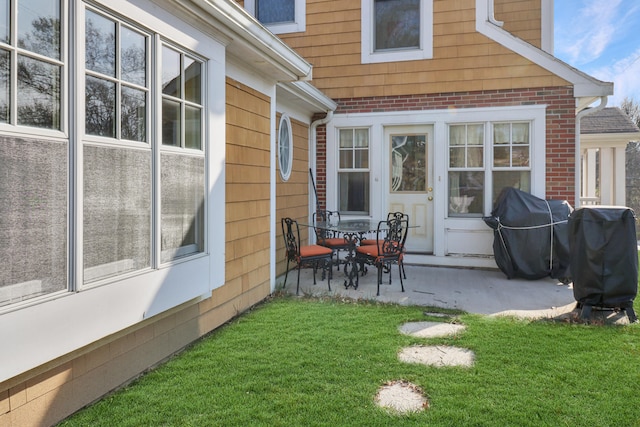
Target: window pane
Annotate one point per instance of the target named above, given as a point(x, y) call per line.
point(134, 114)
point(170, 72)
point(171, 123)
point(457, 135)
point(39, 89)
point(192, 83)
point(501, 134)
point(520, 133)
point(465, 192)
point(520, 156)
point(5, 91)
point(353, 192)
point(33, 218)
point(457, 157)
point(501, 157)
point(117, 211)
point(475, 134)
point(475, 157)
point(182, 205)
point(100, 107)
point(361, 138)
point(100, 40)
point(397, 24)
point(285, 148)
point(133, 57)
point(275, 11)
point(39, 27)
point(4, 22)
point(346, 138)
point(193, 128)
point(516, 179)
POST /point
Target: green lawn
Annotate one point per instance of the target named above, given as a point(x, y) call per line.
point(310, 362)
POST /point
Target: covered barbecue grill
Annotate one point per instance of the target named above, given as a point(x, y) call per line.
point(530, 235)
point(604, 258)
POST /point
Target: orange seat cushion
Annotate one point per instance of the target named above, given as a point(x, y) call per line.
point(369, 250)
point(368, 242)
point(334, 241)
point(314, 250)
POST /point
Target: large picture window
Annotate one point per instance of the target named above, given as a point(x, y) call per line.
point(396, 30)
point(353, 171)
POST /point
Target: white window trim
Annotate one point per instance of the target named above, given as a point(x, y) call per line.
point(299, 25)
point(285, 174)
point(368, 54)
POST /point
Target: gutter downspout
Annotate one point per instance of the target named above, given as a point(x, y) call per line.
point(578, 168)
point(313, 157)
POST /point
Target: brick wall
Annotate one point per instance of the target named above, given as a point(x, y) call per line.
point(560, 125)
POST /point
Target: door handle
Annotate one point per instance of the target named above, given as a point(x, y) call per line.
point(430, 198)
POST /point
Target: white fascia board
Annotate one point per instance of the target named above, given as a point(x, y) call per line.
point(583, 84)
point(305, 92)
point(244, 32)
point(597, 140)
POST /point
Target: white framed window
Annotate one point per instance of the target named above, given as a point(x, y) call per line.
point(279, 16)
point(511, 156)
point(466, 169)
point(32, 63)
point(396, 30)
point(285, 147)
point(353, 171)
point(182, 160)
point(483, 158)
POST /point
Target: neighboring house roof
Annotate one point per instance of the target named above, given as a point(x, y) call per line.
point(608, 120)
point(609, 127)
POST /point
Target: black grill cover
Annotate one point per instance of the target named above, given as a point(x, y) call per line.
point(530, 235)
point(604, 255)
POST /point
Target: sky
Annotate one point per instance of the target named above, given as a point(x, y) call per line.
point(602, 39)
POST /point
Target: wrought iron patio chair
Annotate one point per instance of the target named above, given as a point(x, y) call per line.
point(308, 256)
point(389, 248)
point(327, 238)
point(370, 242)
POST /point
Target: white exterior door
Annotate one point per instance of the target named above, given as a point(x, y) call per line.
point(409, 180)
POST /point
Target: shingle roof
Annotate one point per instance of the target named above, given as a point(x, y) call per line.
point(607, 120)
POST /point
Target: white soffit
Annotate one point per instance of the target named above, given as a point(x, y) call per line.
point(245, 38)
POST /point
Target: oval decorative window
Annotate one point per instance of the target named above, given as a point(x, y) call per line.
point(285, 147)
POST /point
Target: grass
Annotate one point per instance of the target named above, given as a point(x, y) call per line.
point(320, 362)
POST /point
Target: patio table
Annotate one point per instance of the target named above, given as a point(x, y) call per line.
point(353, 231)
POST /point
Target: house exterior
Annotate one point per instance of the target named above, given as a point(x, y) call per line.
point(604, 137)
point(148, 150)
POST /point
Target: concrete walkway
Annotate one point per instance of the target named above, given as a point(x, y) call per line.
point(472, 290)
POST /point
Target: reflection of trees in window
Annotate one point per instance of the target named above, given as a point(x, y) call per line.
point(38, 101)
point(5, 90)
point(116, 82)
point(38, 93)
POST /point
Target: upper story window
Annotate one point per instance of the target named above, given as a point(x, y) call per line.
point(31, 63)
point(285, 147)
point(396, 30)
point(280, 16)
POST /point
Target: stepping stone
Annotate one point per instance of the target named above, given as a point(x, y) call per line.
point(402, 397)
point(438, 355)
point(430, 329)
